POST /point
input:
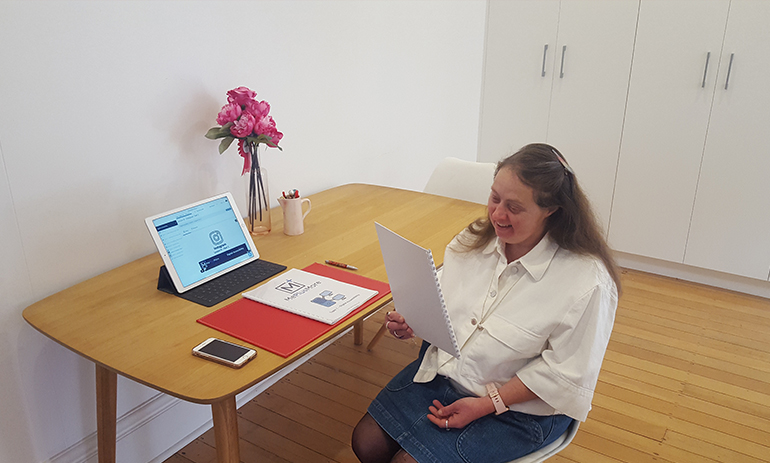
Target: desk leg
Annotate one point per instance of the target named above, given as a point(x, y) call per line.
point(226, 430)
point(106, 413)
point(377, 337)
point(358, 332)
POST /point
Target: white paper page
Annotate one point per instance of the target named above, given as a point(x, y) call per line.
point(416, 290)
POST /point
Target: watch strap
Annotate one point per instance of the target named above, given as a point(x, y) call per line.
point(497, 401)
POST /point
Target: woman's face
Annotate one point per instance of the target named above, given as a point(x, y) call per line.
point(519, 222)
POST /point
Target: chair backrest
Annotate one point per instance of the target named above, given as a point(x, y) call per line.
point(459, 179)
point(553, 448)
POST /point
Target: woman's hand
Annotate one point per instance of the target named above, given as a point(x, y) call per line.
point(460, 413)
point(395, 323)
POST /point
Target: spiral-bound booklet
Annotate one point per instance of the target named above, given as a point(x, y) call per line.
point(416, 290)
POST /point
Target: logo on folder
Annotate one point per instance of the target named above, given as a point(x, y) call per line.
point(326, 298)
point(290, 286)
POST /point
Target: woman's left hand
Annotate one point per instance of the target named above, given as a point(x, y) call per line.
point(460, 413)
point(396, 324)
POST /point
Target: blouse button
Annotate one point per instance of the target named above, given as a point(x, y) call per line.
point(515, 270)
point(492, 293)
point(473, 321)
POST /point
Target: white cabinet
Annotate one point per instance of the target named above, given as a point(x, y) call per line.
point(691, 185)
point(673, 78)
point(730, 229)
point(557, 72)
point(518, 69)
point(633, 93)
point(588, 98)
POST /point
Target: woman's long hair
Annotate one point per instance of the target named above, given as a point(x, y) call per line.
point(573, 226)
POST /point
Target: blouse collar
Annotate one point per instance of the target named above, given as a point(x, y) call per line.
point(535, 262)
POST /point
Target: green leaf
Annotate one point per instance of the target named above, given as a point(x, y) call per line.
point(262, 139)
point(219, 132)
point(225, 143)
point(213, 132)
point(270, 143)
point(273, 145)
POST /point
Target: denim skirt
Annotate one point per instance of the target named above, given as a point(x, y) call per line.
point(401, 409)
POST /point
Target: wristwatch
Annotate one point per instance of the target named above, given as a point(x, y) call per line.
point(496, 399)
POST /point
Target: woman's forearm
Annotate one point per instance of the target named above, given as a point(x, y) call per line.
point(514, 392)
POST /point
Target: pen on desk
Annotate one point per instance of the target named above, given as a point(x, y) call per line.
point(341, 265)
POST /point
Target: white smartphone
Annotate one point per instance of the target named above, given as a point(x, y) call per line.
point(224, 352)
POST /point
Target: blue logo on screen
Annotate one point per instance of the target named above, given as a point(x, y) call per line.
point(216, 237)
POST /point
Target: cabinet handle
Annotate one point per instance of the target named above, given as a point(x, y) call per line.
point(563, 52)
point(545, 52)
point(729, 68)
point(705, 70)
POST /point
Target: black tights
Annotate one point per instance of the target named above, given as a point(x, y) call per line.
point(373, 445)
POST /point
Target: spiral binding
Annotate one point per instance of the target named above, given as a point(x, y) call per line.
point(448, 321)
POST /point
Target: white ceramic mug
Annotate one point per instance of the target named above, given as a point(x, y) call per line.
point(293, 218)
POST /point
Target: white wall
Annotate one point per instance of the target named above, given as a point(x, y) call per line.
point(103, 107)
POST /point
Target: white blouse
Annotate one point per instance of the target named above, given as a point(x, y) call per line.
point(546, 318)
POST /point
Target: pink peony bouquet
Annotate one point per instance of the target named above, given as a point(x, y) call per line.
point(248, 120)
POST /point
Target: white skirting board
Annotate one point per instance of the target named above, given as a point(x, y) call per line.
point(694, 274)
point(162, 425)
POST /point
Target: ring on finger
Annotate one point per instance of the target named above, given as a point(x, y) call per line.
point(446, 425)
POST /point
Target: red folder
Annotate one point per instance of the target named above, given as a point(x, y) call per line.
point(284, 333)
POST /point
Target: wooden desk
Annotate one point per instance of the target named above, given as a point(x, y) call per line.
point(122, 323)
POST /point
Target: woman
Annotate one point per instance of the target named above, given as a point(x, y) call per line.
point(531, 290)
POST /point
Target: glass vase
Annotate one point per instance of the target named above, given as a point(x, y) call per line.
point(257, 199)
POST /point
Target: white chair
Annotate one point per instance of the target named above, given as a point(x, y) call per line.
point(553, 448)
point(459, 179)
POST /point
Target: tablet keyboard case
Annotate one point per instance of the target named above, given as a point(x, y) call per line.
point(231, 283)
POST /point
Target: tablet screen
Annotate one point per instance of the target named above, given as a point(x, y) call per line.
point(202, 240)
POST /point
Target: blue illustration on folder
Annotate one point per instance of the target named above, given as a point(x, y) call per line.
point(328, 298)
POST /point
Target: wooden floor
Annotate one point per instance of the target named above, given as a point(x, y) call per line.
point(686, 379)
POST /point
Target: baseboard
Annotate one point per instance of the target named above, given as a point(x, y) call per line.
point(728, 281)
point(159, 427)
point(85, 451)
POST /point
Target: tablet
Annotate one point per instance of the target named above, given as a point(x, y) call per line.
point(202, 241)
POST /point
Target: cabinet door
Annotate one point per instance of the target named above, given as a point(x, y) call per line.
point(669, 100)
point(731, 218)
point(593, 62)
point(515, 97)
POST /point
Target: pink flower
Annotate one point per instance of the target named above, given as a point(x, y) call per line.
point(229, 113)
point(264, 124)
point(240, 96)
point(258, 108)
point(275, 137)
point(243, 126)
